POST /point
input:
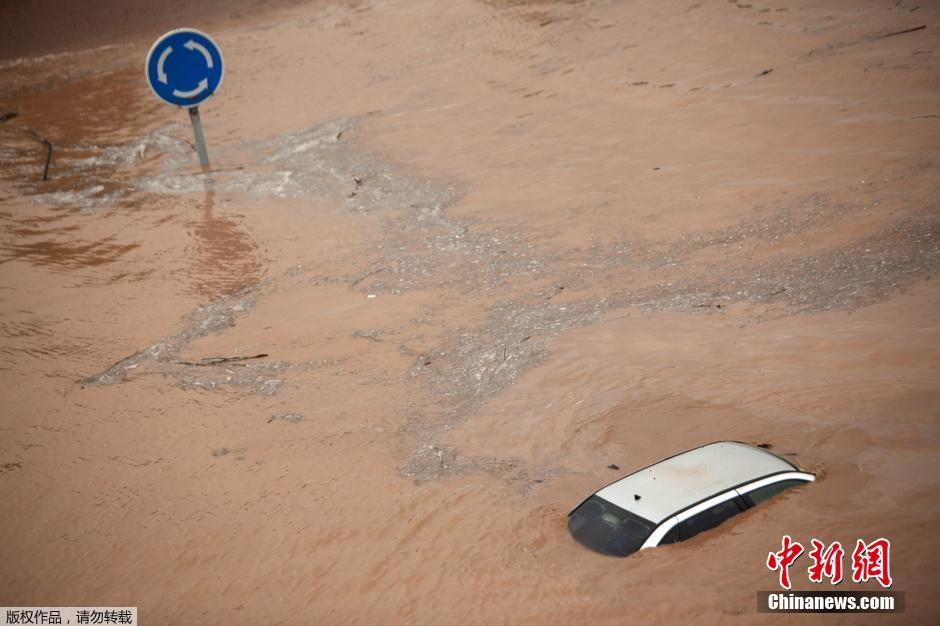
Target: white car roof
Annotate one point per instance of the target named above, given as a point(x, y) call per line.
point(690, 477)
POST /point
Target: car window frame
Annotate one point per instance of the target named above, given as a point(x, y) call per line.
point(660, 532)
point(744, 490)
point(736, 500)
point(667, 525)
point(692, 511)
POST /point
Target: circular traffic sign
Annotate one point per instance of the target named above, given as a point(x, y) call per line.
point(184, 67)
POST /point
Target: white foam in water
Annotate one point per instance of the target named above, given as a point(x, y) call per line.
point(88, 200)
point(309, 162)
point(177, 152)
point(303, 163)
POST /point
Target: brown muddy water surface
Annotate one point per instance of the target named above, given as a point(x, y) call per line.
point(470, 258)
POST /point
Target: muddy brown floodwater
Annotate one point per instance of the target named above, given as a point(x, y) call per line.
point(467, 259)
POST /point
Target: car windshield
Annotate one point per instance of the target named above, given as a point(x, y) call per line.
point(608, 529)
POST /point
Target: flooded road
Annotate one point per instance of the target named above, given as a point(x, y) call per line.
point(446, 269)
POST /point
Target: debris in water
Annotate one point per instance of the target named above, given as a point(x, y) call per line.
point(292, 418)
point(220, 360)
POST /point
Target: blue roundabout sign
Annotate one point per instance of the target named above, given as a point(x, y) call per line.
point(184, 67)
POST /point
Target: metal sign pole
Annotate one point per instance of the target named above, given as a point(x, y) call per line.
point(200, 139)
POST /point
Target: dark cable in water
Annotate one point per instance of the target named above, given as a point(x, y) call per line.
point(5, 117)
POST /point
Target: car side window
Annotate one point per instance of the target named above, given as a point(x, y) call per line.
point(769, 491)
point(709, 518)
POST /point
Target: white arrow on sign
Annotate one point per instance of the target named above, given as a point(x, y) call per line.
point(161, 73)
point(202, 86)
point(192, 45)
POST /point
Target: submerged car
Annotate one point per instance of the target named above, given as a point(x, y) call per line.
point(680, 497)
